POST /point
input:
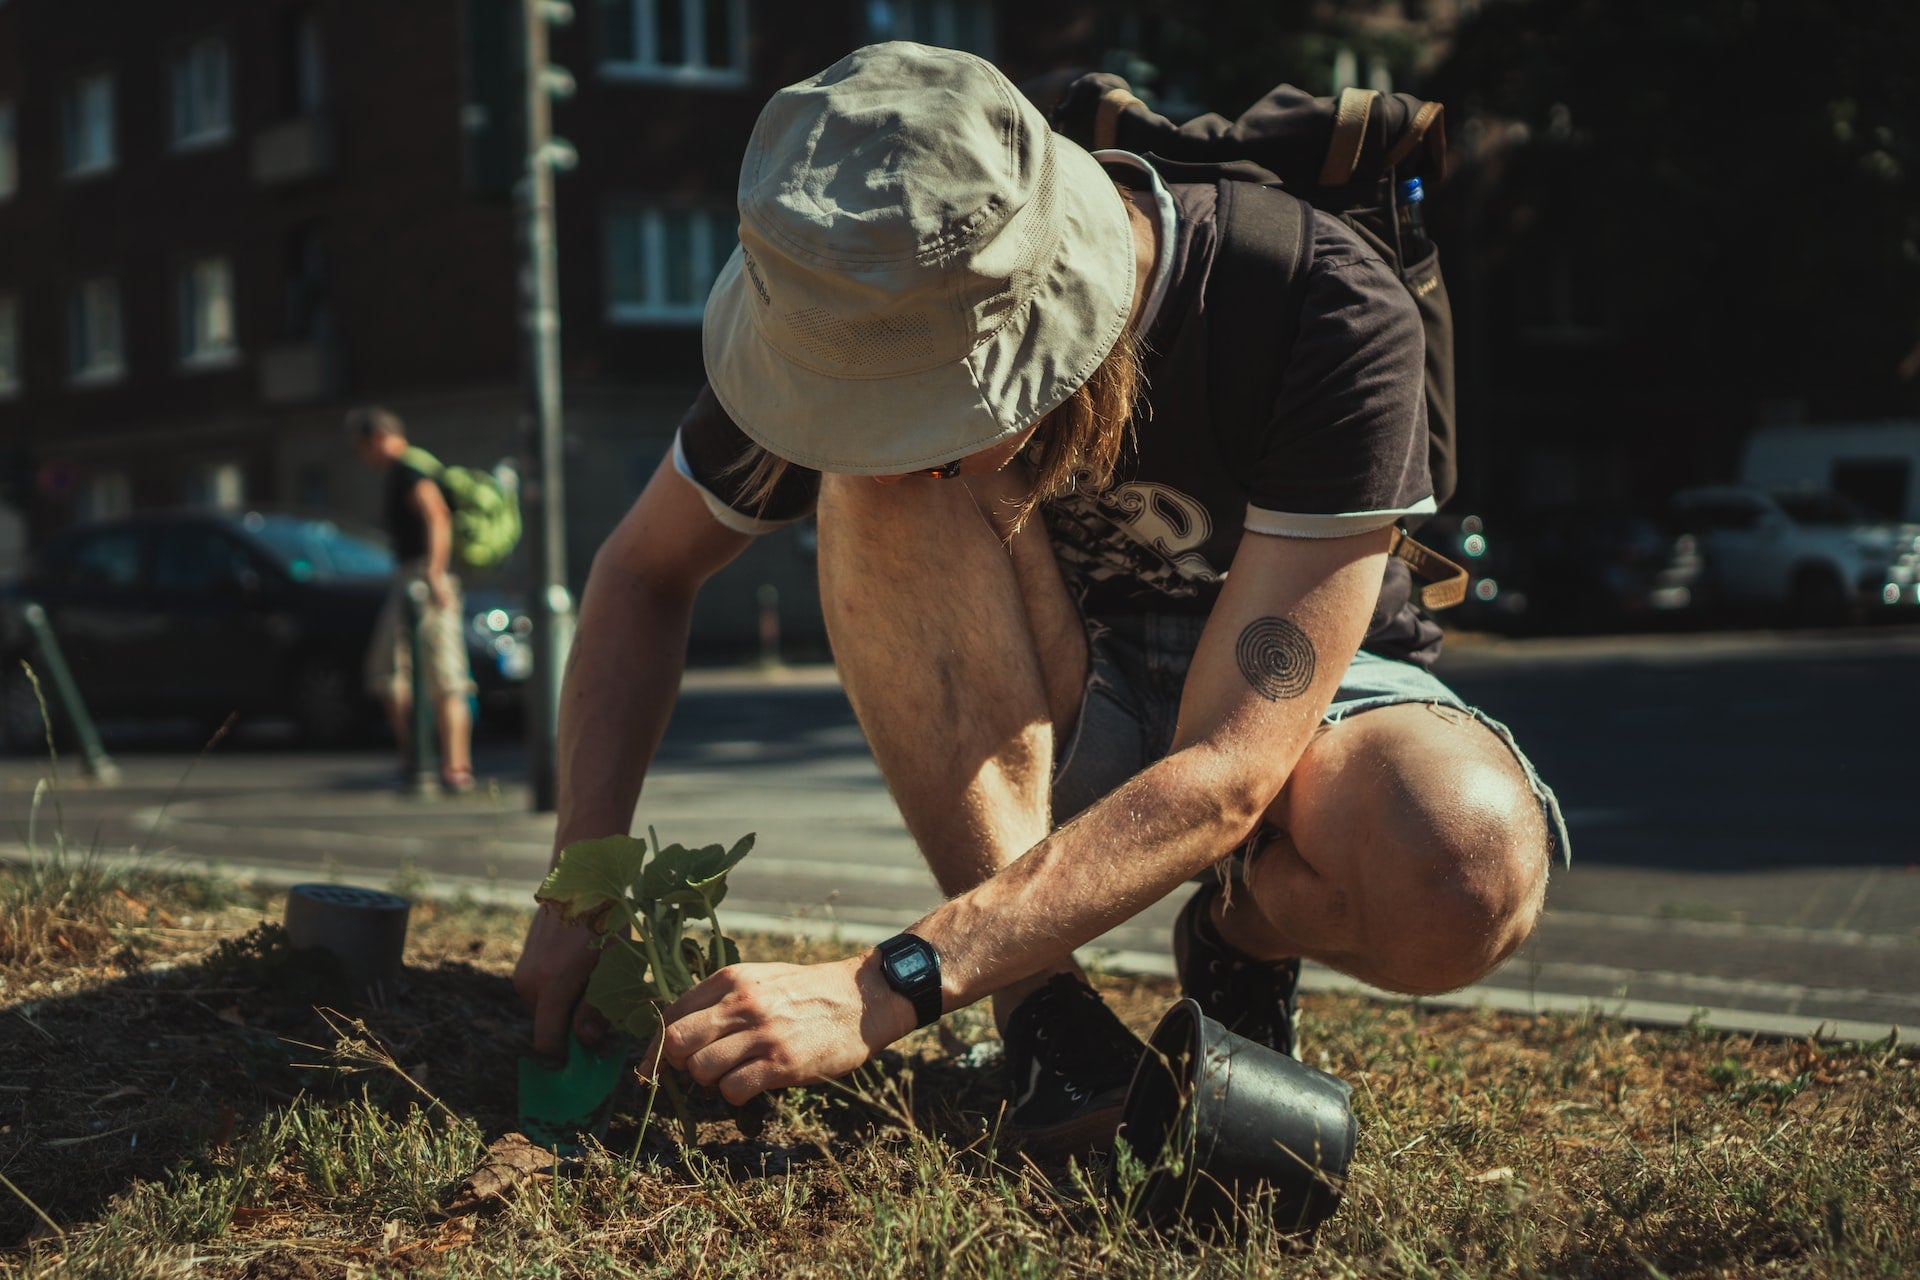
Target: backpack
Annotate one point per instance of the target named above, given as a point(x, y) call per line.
point(485, 507)
point(1288, 158)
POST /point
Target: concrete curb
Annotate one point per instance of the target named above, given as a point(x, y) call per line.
point(1647, 1013)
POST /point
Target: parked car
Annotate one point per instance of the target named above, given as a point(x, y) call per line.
point(200, 614)
point(1587, 569)
point(1814, 556)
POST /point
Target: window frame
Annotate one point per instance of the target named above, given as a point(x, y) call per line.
point(186, 62)
point(643, 65)
point(72, 126)
point(95, 373)
point(190, 354)
point(709, 227)
point(12, 379)
point(9, 148)
point(900, 25)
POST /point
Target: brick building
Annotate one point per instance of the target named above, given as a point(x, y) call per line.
point(224, 221)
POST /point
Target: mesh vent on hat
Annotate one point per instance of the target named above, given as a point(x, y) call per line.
point(861, 344)
point(1035, 255)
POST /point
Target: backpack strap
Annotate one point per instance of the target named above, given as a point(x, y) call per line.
point(1106, 117)
point(1444, 582)
point(420, 460)
point(1417, 132)
point(1255, 293)
point(1349, 136)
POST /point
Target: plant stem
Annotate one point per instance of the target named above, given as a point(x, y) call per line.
point(689, 1133)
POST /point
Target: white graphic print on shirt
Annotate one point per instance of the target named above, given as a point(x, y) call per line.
point(1140, 532)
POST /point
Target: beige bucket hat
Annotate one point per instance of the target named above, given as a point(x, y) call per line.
point(924, 270)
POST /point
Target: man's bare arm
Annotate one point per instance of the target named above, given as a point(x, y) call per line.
point(1289, 620)
point(1291, 616)
point(430, 505)
point(629, 652)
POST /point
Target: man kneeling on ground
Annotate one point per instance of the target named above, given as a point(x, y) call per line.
point(1096, 650)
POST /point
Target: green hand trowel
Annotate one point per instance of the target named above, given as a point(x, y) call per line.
point(559, 1106)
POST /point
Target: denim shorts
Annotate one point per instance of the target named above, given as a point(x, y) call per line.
point(1137, 669)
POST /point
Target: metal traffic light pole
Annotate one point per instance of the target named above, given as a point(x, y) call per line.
point(543, 486)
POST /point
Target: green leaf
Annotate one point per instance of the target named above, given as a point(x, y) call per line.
point(620, 990)
point(691, 877)
point(593, 875)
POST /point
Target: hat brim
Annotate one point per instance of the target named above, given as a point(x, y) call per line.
point(1033, 361)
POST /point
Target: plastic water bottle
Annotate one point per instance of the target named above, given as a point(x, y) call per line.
point(1408, 198)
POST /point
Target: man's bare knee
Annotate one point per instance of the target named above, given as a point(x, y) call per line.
point(1473, 879)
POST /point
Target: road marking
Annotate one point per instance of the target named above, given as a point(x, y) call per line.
point(1725, 930)
point(1867, 883)
point(1789, 993)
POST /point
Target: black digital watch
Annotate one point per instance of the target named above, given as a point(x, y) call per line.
point(912, 967)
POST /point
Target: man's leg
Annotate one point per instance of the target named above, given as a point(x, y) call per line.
point(455, 721)
point(389, 676)
point(449, 681)
point(1407, 849)
point(963, 657)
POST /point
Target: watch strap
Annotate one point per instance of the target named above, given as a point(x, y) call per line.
point(924, 989)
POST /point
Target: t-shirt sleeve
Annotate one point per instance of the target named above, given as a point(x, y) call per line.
point(713, 453)
point(1349, 449)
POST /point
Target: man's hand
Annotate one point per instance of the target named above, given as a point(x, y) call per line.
point(551, 976)
point(754, 1027)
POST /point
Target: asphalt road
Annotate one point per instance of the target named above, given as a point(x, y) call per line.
point(1740, 808)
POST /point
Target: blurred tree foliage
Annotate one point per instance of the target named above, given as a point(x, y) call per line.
point(1222, 56)
point(1726, 189)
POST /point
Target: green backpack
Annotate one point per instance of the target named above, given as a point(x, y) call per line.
point(485, 506)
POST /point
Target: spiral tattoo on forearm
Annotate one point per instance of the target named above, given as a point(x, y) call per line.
point(1276, 658)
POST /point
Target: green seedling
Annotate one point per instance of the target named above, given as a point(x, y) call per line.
point(641, 906)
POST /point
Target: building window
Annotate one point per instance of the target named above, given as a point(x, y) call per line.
point(951, 24)
point(9, 153)
point(686, 41)
point(206, 314)
point(9, 348)
point(108, 495)
point(86, 126)
point(306, 62)
point(202, 95)
point(94, 343)
point(661, 263)
point(221, 486)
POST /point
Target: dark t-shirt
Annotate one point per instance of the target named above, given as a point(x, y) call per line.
point(1345, 452)
point(406, 527)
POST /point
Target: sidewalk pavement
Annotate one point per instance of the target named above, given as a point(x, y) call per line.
point(1793, 952)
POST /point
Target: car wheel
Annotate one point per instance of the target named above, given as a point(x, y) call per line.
point(1818, 598)
point(23, 731)
point(327, 703)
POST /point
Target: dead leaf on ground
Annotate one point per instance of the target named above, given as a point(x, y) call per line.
point(1503, 1174)
point(511, 1162)
point(454, 1233)
point(281, 1265)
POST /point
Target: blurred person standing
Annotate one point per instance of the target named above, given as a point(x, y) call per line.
point(420, 524)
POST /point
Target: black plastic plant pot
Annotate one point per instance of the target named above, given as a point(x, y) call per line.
point(1222, 1124)
point(362, 931)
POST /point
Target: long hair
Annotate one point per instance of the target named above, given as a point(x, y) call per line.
point(1078, 444)
point(1075, 447)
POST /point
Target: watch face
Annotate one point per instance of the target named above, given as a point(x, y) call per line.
point(908, 965)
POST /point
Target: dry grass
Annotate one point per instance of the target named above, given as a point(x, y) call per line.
point(159, 1111)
